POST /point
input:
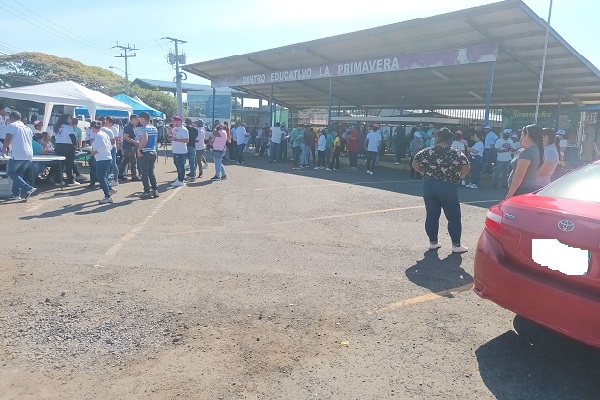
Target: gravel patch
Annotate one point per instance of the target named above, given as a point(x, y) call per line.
point(56, 334)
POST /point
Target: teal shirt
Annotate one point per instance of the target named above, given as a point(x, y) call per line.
point(330, 139)
point(297, 137)
point(78, 132)
point(37, 148)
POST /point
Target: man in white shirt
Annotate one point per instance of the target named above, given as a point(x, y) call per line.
point(241, 137)
point(113, 134)
point(3, 111)
point(562, 143)
point(503, 148)
point(276, 135)
point(180, 136)
point(19, 139)
point(488, 152)
point(372, 143)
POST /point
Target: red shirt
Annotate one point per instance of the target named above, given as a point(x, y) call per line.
point(353, 141)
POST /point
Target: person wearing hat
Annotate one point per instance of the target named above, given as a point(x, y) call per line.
point(489, 155)
point(504, 149)
point(180, 137)
point(415, 146)
point(37, 127)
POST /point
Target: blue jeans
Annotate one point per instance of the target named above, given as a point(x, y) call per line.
point(16, 170)
point(476, 164)
point(179, 160)
point(442, 195)
point(191, 156)
point(114, 168)
point(102, 168)
point(501, 173)
point(274, 149)
point(240, 152)
point(218, 159)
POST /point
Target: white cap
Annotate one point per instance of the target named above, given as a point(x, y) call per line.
point(561, 132)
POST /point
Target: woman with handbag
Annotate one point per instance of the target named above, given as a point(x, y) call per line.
point(218, 144)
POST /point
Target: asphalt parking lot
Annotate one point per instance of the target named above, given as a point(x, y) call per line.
point(274, 284)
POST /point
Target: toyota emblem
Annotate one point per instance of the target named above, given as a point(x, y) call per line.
point(566, 226)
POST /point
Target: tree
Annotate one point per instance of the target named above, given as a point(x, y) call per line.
point(33, 68)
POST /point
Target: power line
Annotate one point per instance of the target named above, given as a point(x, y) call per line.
point(54, 24)
point(48, 29)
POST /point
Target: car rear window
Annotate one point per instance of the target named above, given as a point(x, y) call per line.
point(582, 184)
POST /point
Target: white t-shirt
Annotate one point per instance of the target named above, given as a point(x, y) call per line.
point(458, 145)
point(2, 128)
point(276, 134)
point(200, 139)
point(479, 148)
point(21, 142)
point(102, 145)
point(504, 145)
point(180, 133)
point(490, 139)
point(241, 135)
point(63, 135)
point(374, 139)
point(89, 135)
point(322, 144)
point(550, 157)
point(563, 143)
point(109, 132)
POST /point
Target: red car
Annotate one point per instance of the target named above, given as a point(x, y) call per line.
point(539, 255)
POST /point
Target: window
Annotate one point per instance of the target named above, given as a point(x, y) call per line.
point(582, 184)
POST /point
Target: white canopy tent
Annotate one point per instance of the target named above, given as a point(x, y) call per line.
point(64, 93)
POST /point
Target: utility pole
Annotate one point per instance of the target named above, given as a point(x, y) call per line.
point(177, 59)
point(124, 54)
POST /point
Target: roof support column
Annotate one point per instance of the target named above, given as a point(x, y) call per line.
point(271, 108)
point(213, 106)
point(558, 107)
point(489, 90)
point(329, 101)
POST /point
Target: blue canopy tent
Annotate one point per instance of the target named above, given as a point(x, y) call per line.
point(137, 106)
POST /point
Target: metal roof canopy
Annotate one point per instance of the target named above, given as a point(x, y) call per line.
point(510, 25)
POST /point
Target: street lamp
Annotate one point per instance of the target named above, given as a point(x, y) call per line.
point(126, 78)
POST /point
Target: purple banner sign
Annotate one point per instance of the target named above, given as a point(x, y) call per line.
point(440, 58)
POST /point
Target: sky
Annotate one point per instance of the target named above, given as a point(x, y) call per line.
point(87, 31)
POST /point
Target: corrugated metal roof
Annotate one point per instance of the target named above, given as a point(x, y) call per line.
point(517, 30)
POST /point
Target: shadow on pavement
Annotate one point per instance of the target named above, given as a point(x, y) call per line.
point(439, 275)
point(533, 362)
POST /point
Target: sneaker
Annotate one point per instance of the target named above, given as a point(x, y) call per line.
point(464, 183)
point(192, 179)
point(74, 183)
point(459, 249)
point(469, 185)
point(112, 191)
point(106, 200)
point(474, 186)
point(199, 176)
point(145, 196)
point(434, 246)
point(177, 183)
point(215, 178)
point(114, 183)
point(317, 168)
point(224, 177)
point(155, 194)
point(13, 197)
point(396, 163)
point(370, 172)
point(29, 193)
point(329, 169)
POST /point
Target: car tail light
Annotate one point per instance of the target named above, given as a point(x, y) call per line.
point(493, 222)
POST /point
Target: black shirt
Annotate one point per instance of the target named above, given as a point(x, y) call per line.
point(442, 163)
point(193, 136)
point(128, 130)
